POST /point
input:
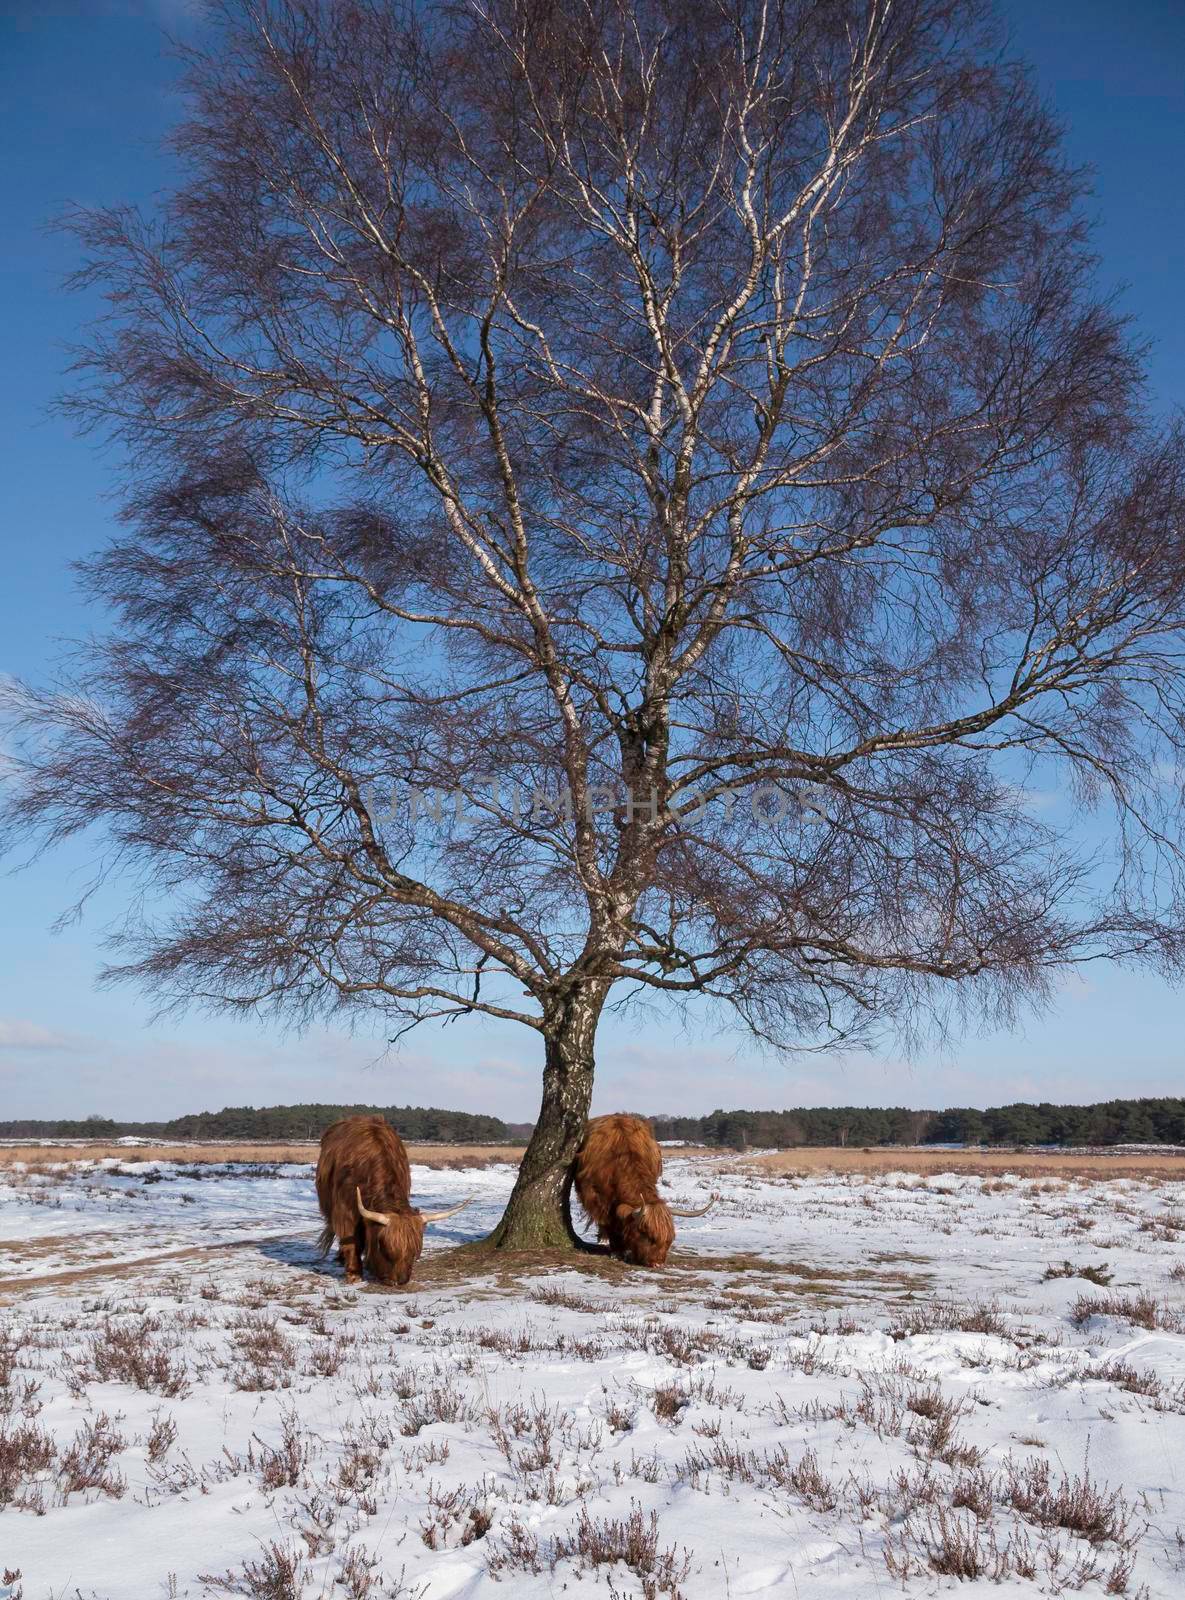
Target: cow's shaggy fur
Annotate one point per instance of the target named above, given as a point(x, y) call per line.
point(616, 1176)
point(366, 1154)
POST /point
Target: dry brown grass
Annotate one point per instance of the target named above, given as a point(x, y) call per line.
point(972, 1163)
point(428, 1155)
point(803, 1159)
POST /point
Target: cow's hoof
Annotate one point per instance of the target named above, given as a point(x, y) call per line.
point(353, 1277)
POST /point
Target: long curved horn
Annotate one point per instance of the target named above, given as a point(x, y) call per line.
point(679, 1211)
point(371, 1216)
point(439, 1216)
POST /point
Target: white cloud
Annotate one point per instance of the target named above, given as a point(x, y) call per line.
point(18, 1034)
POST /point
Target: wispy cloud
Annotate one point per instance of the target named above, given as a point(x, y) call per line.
point(18, 1034)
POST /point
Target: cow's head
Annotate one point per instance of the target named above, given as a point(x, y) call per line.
point(646, 1231)
point(394, 1239)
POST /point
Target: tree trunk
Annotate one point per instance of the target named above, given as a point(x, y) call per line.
point(536, 1216)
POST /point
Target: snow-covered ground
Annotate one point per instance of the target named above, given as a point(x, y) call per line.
point(841, 1386)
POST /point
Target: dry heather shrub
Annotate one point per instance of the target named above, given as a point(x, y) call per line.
point(8, 1350)
point(974, 1492)
point(648, 1468)
point(360, 1468)
point(619, 1418)
point(536, 1428)
point(1100, 1275)
point(263, 1358)
point(85, 1464)
point(1132, 1380)
point(550, 1294)
point(669, 1401)
point(934, 1431)
point(441, 1403)
point(513, 1550)
point(18, 1394)
point(724, 1458)
point(281, 1467)
point(509, 1341)
point(894, 1407)
point(279, 1574)
point(422, 1456)
point(362, 1576)
point(357, 1572)
point(632, 1541)
point(1143, 1310)
point(129, 1353)
point(161, 1438)
point(955, 1546)
point(315, 1520)
point(326, 1359)
point(1076, 1504)
point(804, 1479)
point(965, 1548)
point(455, 1517)
point(26, 1451)
point(950, 1316)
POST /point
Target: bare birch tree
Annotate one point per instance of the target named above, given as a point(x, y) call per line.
point(621, 500)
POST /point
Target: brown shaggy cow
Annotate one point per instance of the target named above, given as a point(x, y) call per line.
point(616, 1175)
point(363, 1164)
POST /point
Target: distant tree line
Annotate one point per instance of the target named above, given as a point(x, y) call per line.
point(1159, 1121)
point(419, 1123)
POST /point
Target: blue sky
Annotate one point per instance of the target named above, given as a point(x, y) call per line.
point(86, 91)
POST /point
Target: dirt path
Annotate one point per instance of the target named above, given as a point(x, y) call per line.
point(14, 1289)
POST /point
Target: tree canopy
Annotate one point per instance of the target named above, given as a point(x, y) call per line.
point(1110, 1122)
point(691, 436)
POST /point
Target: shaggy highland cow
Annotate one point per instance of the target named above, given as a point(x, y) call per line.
point(363, 1160)
point(616, 1175)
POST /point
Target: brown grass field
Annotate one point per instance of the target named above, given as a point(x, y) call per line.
point(982, 1163)
point(800, 1160)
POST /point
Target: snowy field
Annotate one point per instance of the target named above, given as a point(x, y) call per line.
point(842, 1386)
